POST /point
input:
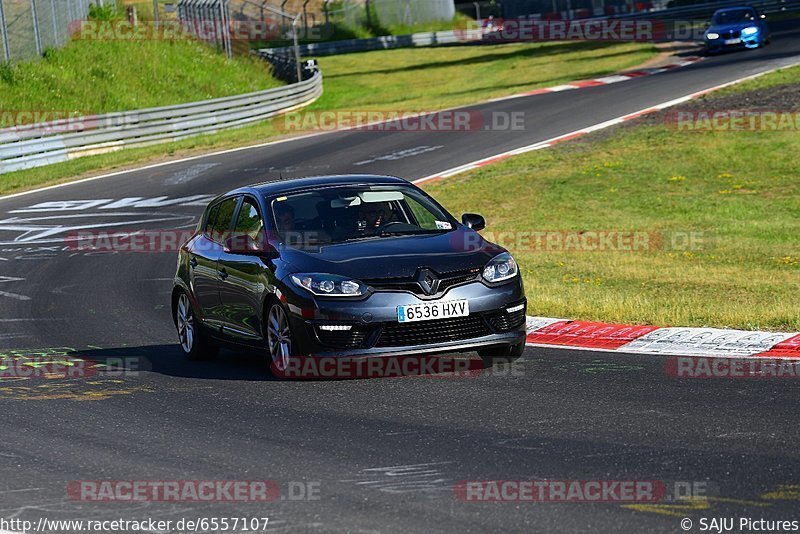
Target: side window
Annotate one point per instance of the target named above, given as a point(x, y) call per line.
point(223, 220)
point(249, 222)
point(425, 219)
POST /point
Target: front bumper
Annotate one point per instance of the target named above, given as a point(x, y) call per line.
point(745, 41)
point(375, 331)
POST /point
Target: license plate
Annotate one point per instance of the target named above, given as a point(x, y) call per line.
point(733, 41)
point(430, 311)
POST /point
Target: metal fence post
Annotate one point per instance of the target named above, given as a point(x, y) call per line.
point(56, 40)
point(37, 37)
point(297, 48)
point(226, 27)
point(70, 16)
point(4, 31)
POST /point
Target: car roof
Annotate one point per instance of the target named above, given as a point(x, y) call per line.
point(737, 8)
point(281, 186)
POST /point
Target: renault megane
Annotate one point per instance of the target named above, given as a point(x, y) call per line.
point(356, 266)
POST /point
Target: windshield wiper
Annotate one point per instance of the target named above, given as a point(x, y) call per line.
point(356, 238)
point(412, 232)
point(389, 234)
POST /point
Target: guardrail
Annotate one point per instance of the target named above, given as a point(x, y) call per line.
point(330, 48)
point(25, 147)
point(706, 9)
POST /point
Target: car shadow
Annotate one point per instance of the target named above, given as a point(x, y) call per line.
point(169, 360)
point(250, 365)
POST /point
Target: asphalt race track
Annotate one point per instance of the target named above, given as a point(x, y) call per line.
point(384, 455)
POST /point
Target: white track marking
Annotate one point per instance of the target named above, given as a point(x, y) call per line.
point(15, 296)
point(677, 341)
point(537, 323)
point(5, 279)
point(187, 175)
point(110, 204)
point(705, 342)
point(401, 154)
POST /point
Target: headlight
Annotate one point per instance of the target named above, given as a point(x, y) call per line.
point(712, 35)
point(502, 267)
point(330, 285)
point(750, 30)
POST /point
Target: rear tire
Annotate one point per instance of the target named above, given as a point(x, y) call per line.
point(193, 341)
point(502, 355)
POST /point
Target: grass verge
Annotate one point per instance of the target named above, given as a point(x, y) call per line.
point(400, 80)
point(435, 78)
point(94, 77)
point(735, 190)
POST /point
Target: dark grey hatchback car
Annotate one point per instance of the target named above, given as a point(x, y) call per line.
point(344, 266)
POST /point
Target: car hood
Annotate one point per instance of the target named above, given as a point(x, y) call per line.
point(738, 26)
point(395, 257)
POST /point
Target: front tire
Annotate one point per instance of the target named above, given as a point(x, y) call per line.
point(280, 341)
point(504, 355)
point(194, 343)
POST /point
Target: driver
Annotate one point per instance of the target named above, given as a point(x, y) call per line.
point(371, 216)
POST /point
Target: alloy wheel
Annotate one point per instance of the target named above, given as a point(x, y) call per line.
point(279, 337)
point(185, 321)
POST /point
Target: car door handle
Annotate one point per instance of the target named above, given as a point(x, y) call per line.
point(223, 274)
point(193, 262)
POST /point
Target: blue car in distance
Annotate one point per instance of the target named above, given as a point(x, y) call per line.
point(736, 27)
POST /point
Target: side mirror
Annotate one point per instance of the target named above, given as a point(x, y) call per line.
point(474, 221)
point(247, 246)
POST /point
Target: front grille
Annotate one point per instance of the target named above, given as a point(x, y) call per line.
point(410, 284)
point(454, 280)
point(733, 34)
point(342, 339)
point(502, 321)
point(427, 332)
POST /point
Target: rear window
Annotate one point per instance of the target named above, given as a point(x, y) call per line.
point(212, 216)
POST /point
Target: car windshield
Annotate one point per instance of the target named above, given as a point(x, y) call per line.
point(733, 16)
point(340, 214)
